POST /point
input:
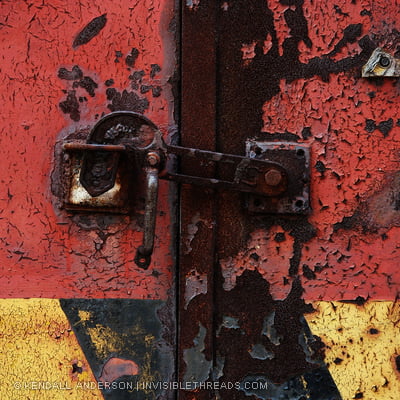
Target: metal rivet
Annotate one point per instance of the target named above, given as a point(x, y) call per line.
point(273, 177)
point(384, 61)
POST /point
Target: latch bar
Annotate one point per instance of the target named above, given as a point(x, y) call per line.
point(275, 174)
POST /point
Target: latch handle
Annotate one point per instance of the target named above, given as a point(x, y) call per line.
point(144, 252)
point(270, 175)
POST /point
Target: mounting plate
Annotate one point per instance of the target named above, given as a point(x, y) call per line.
point(295, 158)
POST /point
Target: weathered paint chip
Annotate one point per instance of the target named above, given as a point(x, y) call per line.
point(198, 368)
point(116, 368)
point(91, 30)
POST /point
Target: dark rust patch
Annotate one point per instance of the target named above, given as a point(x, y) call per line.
point(131, 58)
point(91, 30)
point(350, 35)
point(280, 237)
point(71, 106)
point(126, 101)
point(88, 84)
point(370, 125)
point(397, 362)
point(308, 272)
point(347, 222)
point(155, 69)
point(359, 301)
point(385, 127)
point(74, 74)
point(297, 352)
point(320, 167)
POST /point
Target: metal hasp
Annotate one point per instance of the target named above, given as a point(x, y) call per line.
point(277, 173)
point(294, 158)
point(381, 64)
point(141, 142)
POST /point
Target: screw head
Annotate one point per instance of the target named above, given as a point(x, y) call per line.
point(273, 177)
point(384, 61)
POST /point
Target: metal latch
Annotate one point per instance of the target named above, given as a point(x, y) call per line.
point(380, 64)
point(280, 179)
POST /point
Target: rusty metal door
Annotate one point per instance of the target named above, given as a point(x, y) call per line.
point(300, 306)
point(292, 305)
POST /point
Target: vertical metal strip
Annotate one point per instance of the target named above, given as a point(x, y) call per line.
point(197, 236)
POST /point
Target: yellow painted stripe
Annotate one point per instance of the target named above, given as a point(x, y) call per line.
point(362, 343)
point(38, 354)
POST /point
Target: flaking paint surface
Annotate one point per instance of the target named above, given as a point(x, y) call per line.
point(291, 70)
point(39, 347)
point(361, 346)
point(63, 66)
point(352, 128)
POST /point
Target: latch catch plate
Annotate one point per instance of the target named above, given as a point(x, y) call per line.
point(295, 159)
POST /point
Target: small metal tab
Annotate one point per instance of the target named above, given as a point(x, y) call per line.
point(295, 160)
point(381, 64)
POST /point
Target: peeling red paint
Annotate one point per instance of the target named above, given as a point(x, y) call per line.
point(45, 251)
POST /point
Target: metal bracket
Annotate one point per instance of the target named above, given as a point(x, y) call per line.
point(381, 64)
point(295, 159)
point(275, 173)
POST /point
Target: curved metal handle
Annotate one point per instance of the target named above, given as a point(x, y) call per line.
point(143, 253)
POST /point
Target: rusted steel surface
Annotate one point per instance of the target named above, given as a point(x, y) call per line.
point(197, 235)
point(291, 71)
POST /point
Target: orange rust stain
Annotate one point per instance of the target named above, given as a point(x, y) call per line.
point(115, 368)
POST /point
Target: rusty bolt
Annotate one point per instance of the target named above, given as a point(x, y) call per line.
point(153, 159)
point(384, 61)
point(273, 177)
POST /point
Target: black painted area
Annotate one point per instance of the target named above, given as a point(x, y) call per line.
point(127, 329)
point(306, 133)
point(280, 237)
point(91, 30)
point(385, 127)
point(347, 223)
point(74, 74)
point(155, 69)
point(71, 106)
point(88, 84)
point(308, 272)
point(370, 125)
point(359, 301)
point(131, 58)
point(297, 353)
point(126, 101)
point(320, 167)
